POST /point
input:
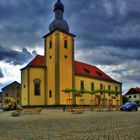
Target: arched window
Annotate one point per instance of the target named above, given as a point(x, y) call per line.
point(37, 87)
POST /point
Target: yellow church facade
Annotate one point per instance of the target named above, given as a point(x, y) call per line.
point(45, 77)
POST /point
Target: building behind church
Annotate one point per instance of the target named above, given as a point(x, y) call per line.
point(12, 90)
point(45, 77)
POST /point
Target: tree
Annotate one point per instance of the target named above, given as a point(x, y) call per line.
point(124, 99)
point(68, 91)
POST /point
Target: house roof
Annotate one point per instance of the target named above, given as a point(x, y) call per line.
point(133, 91)
point(80, 68)
point(10, 85)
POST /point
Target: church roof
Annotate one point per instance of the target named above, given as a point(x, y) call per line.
point(91, 71)
point(80, 68)
point(133, 91)
point(37, 61)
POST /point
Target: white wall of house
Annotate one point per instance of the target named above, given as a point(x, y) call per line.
point(134, 97)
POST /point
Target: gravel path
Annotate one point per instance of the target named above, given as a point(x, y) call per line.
point(59, 125)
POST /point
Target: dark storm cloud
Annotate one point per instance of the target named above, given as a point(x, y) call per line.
point(1, 73)
point(15, 57)
point(24, 22)
point(105, 55)
point(108, 31)
point(108, 23)
point(96, 23)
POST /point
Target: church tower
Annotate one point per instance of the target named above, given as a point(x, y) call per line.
point(59, 58)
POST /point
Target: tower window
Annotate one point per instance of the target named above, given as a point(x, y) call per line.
point(50, 44)
point(65, 44)
point(65, 56)
point(50, 57)
point(82, 85)
point(37, 87)
point(50, 94)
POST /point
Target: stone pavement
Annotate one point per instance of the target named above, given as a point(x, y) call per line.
point(59, 125)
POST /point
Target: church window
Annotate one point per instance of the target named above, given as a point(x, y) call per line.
point(92, 86)
point(65, 44)
point(50, 94)
point(99, 73)
point(101, 88)
point(109, 87)
point(50, 44)
point(86, 70)
point(82, 85)
point(37, 87)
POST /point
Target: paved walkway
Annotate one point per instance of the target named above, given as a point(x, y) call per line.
point(58, 125)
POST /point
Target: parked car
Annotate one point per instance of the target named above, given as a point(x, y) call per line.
point(129, 106)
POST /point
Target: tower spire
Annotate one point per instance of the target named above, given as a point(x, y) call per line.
point(58, 22)
point(59, 5)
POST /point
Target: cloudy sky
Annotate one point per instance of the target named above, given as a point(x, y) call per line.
point(108, 35)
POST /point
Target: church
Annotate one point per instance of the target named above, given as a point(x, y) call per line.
point(45, 77)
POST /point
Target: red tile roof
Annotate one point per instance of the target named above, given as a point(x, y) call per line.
point(37, 61)
point(133, 91)
point(90, 71)
point(80, 68)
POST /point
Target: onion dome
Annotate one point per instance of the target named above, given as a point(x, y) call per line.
point(59, 22)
